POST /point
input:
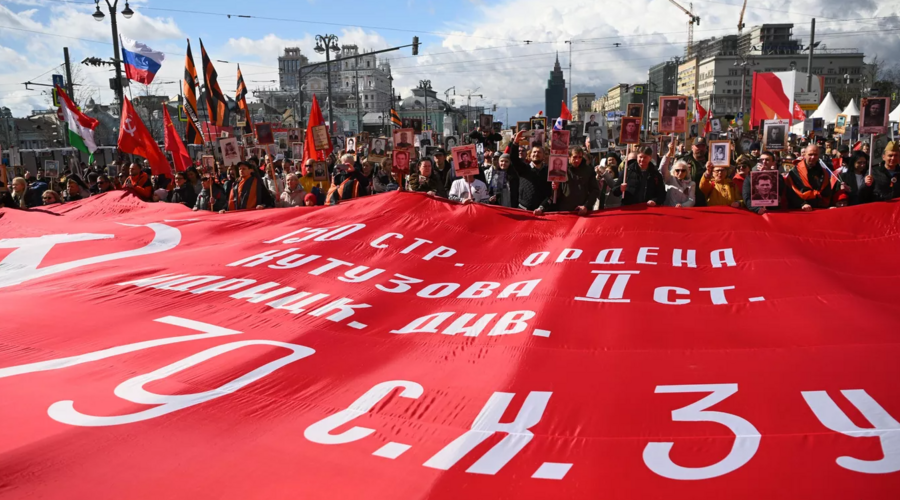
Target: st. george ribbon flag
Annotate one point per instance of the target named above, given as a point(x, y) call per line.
point(400, 346)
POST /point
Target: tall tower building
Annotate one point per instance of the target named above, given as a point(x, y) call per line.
point(556, 92)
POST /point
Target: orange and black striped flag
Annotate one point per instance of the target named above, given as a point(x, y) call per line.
point(395, 118)
point(241, 97)
point(189, 87)
point(215, 99)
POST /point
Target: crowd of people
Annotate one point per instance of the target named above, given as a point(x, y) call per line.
point(811, 175)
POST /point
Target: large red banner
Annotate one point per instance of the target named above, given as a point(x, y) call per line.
point(399, 346)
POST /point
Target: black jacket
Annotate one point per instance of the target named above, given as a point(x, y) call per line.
point(886, 183)
point(643, 185)
point(858, 194)
point(220, 199)
point(782, 195)
point(580, 190)
point(184, 195)
point(534, 189)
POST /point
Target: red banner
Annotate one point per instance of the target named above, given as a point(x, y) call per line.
point(399, 346)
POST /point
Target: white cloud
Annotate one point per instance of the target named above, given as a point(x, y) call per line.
point(650, 31)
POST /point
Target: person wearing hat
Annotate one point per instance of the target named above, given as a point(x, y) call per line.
point(502, 182)
point(442, 169)
point(697, 159)
point(754, 150)
point(310, 200)
point(886, 177)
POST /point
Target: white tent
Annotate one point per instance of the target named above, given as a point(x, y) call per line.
point(828, 110)
point(851, 109)
point(895, 115)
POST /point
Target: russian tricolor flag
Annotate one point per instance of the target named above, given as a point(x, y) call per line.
point(141, 62)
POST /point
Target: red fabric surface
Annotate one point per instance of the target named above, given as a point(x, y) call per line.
point(608, 383)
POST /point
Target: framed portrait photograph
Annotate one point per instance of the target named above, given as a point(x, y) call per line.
point(538, 136)
point(596, 139)
point(281, 139)
point(539, 123)
point(404, 138)
point(630, 133)
point(320, 171)
point(465, 160)
point(720, 153)
point(400, 160)
point(293, 135)
point(635, 110)
point(451, 141)
point(840, 124)
point(424, 139)
point(208, 162)
point(559, 142)
point(297, 150)
point(264, 134)
point(523, 126)
point(558, 168)
point(112, 171)
point(231, 154)
point(249, 141)
point(351, 145)
point(672, 114)
point(337, 142)
point(591, 120)
point(775, 135)
point(873, 115)
point(378, 146)
point(715, 126)
point(486, 122)
point(321, 141)
point(764, 188)
point(51, 169)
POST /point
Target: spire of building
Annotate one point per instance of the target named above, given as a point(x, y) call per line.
point(555, 93)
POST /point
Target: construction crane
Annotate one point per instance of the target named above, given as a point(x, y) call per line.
point(693, 20)
point(741, 19)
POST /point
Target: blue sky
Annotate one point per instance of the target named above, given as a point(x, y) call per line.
point(467, 44)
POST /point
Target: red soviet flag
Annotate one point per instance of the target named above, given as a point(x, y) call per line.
point(701, 113)
point(173, 143)
point(135, 139)
point(309, 145)
point(564, 113)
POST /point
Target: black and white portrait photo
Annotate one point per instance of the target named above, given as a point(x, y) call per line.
point(451, 141)
point(379, 145)
point(764, 188)
point(720, 153)
point(775, 135)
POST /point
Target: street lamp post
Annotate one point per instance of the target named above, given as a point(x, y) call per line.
point(327, 44)
point(425, 85)
point(98, 15)
point(744, 65)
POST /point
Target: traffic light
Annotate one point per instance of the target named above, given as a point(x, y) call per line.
point(415, 45)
